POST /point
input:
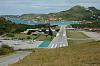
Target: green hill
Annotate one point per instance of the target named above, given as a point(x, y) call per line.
point(74, 13)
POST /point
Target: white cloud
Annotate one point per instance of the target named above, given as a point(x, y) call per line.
point(42, 6)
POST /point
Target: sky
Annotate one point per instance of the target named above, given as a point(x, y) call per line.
point(18, 7)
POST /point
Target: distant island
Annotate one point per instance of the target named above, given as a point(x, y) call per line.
point(76, 13)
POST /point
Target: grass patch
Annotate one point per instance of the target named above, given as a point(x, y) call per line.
point(71, 42)
point(87, 54)
point(77, 35)
point(44, 38)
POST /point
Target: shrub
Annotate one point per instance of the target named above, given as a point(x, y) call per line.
point(5, 49)
point(28, 37)
point(10, 35)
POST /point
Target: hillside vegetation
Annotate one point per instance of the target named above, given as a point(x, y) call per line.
point(75, 13)
point(88, 25)
point(7, 26)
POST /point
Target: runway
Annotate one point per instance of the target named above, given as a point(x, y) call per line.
point(60, 40)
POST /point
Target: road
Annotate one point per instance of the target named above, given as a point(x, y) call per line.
point(93, 35)
point(21, 44)
point(5, 61)
point(60, 40)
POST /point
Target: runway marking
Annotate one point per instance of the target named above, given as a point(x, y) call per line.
point(60, 40)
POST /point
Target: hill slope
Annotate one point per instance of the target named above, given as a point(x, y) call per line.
point(75, 13)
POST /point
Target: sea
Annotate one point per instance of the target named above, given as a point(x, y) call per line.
point(59, 23)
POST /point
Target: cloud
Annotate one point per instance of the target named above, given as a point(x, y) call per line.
point(42, 6)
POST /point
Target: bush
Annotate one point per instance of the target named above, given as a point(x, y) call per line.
point(5, 46)
point(5, 49)
point(28, 37)
point(10, 35)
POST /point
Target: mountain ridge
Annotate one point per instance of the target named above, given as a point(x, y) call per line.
point(76, 13)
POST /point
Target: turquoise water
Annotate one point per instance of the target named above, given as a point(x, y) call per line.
point(63, 23)
point(19, 21)
point(59, 23)
point(45, 44)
